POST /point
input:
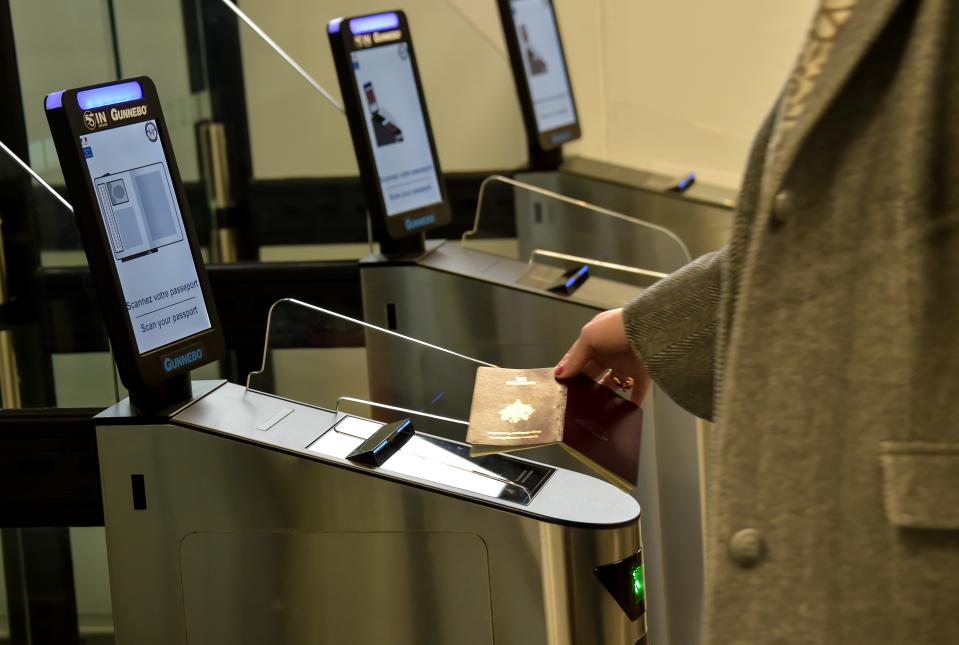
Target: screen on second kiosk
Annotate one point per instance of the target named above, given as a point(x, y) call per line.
point(150, 249)
point(396, 127)
point(542, 55)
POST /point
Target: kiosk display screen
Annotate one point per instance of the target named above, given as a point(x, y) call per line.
point(150, 249)
point(543, 61)
point(397, 129)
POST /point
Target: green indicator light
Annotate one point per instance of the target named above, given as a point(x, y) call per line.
point(639, 586)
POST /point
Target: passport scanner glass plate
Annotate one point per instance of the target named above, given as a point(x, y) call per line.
point(441, 461)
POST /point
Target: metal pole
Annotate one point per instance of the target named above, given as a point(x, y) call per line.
point(215, 167)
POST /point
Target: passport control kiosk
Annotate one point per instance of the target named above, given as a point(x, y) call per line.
point(509, 313)
point(501, 310)
point(236, 517)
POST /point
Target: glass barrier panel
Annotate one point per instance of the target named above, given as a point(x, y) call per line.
point(74, 44)
point(300, 134)
point(61, 353)
point(307, 203)
point(549, 222)
point(88, 547)
point(323, 358)
point(326, 359)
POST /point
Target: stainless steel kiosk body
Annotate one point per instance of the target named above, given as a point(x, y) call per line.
point(238, 520)
point(500, 310)
point(701, 216)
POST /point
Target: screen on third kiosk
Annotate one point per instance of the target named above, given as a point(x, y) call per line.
point(539, 46)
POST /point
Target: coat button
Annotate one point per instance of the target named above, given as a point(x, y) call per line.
point(747, 547)
point(784, 203)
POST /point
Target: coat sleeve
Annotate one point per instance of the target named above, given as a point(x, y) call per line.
point(672, 326)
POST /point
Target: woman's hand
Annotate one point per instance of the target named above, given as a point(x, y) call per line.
point(602, 347)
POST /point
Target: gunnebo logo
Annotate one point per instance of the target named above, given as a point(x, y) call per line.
point(171, 363)
point(418, 222)
point(128, 113)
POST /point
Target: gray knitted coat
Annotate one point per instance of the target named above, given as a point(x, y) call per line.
point(824, 343)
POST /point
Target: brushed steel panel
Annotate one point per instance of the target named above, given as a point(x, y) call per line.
point(200, 482)
point(235, 412)
point(703, 227)
point(314, 588)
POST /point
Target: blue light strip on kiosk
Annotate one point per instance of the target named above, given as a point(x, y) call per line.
point(333, 26)
point(576, 276)
point(686, 181)
point(109, 95)
point(375, 22)
point(54, 100)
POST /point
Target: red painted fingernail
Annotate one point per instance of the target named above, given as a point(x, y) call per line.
point(559, 370)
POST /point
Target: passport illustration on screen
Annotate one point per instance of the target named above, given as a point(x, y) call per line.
point(138, 210)
point(519, 409)
point(537, 65)
point(384, 125)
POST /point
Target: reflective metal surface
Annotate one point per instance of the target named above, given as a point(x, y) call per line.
point(551, 220)
point(482, 306)
point(336, 587)
point(214, 164)
point(248, 537)
point(703, 225)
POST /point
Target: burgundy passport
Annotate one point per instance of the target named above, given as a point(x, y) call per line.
point(518, 409)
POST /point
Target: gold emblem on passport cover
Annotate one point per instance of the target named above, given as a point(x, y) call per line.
point(516, 411)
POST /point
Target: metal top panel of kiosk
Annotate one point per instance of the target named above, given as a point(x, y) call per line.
point(433, 463)
point(598, 292)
